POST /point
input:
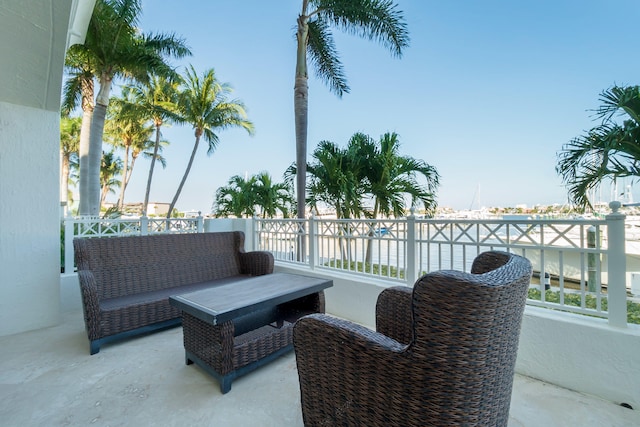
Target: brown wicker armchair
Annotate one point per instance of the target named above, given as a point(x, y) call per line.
point(444, 354)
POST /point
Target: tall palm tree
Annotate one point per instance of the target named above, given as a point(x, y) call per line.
point(127, 129)
point(156, 99)
point(79, 87)
point(378, 20)
point(204, 104)
point(69, 144)
point(115, 48)
point(610, 150)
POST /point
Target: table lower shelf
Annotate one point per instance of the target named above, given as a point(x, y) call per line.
point(225, 357)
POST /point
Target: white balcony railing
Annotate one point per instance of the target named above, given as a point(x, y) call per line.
point(579, 265)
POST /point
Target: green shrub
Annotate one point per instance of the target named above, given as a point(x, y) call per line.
point(575, 300)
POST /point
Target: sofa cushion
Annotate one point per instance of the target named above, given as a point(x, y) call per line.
point(129, 312)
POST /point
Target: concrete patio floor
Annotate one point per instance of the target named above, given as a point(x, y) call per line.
point(48, 378)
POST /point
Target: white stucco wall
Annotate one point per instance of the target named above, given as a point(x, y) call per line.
point(33, 42)
point(29, 227)
point(581, 353)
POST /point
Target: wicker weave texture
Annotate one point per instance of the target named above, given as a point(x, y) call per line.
point(125, 282)
point(455, 369)
point(222, 349)
point(135, 264)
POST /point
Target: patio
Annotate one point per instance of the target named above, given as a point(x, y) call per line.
point(47, 378)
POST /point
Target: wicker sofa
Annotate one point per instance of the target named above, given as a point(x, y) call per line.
point(443, 353)
point(125, 282)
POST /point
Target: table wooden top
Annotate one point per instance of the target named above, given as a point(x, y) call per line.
point(231, 300)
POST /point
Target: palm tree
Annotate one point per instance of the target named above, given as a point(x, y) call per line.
point(69, 143)
point(127, 129)
point(334, 180)
point(148, 148)
point(608, 151)
point(156, 99)
point(237, 198)
point(115, 48)
point(392, 176)
point(110, 169)
point(271, 197)
point(204, 103)
point(372, 19)
point(80, 88)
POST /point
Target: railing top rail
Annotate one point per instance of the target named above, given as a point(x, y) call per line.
point(515, 221)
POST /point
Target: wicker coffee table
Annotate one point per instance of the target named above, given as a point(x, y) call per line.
point(236, 327)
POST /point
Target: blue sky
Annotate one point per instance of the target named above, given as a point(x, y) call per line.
point(487, 92)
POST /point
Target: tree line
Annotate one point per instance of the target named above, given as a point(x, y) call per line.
point(115, 49)
point(154, 94)
point(365, 179)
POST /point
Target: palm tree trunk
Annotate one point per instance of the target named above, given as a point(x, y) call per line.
point(123, 184)
point(186, 173)
point(94, 160)
point(153, 162)
point(103, 193)
point(87, 90)
point(95, 146)
point(301, 110)
point(83, 158)
point(64, 178)
point(128, 176)
point(301, 121)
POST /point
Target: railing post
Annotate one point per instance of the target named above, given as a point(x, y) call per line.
point(313, 242)
point(302, 233)
point(68, 245)
point(144, 225)
point(591, 260)
point(411, 273)
point(200, 226)
point(617, 288)
point(254, 233)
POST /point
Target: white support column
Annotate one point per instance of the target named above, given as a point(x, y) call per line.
point(68, 245)
point(617, 290)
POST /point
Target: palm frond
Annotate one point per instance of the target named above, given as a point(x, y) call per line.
point(622, 100)
point(324, 56)
point(378, 20)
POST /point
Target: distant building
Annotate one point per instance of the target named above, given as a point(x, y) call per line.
point(158, 209)
point(135, 209)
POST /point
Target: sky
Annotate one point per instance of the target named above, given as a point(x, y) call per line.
point(487, 92)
